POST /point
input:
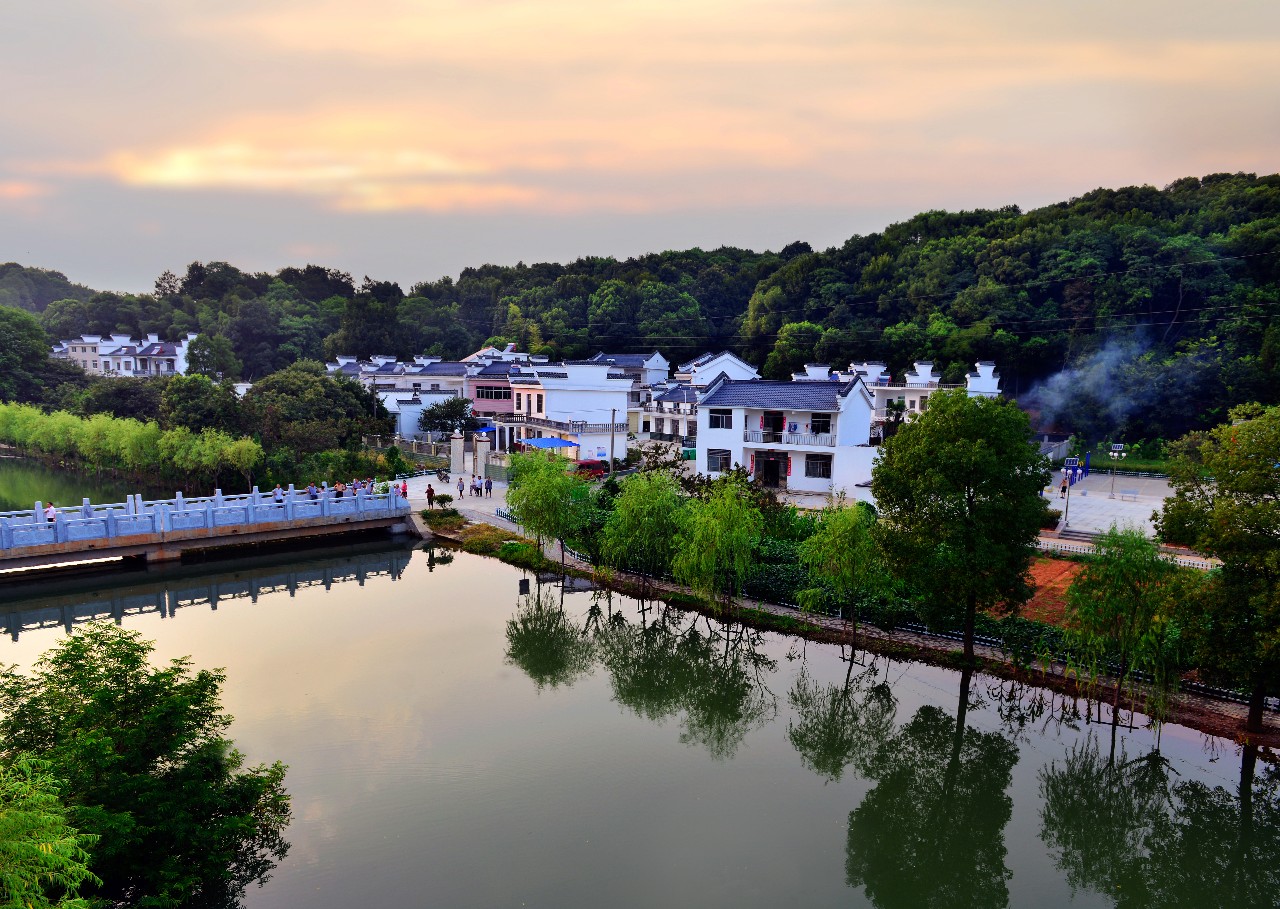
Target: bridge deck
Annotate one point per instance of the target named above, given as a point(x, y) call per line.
point(164, 529)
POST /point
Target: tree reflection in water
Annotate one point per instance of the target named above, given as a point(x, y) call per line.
point(545, 644)
point(1129, 829)
point(931, 832)
point(709, 673)
point(836, 726)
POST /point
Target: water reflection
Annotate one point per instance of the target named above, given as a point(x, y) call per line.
point(1130, 829)
point(49, 601)
point(710, 674)
point(839, 725)
point(931, 832)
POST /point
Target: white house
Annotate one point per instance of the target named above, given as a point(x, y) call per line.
point(807, 436)
point(583, 402)
point(646, 370)
point(912, 391)
point(703, 370)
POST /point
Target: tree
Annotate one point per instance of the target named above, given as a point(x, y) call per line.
point(450, 415)
point(641, 531)
point(1226, 493)
point(1120, 605)
point(715, 545)
point(213, 356)
point(305, 410)
point(148, 768)
point(23, 346)
point(842, 554)
point(545, 497)
point(958, 490)
point(197, 402)
point(43, 859)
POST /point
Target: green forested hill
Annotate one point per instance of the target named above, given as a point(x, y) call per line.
point(1139, 310)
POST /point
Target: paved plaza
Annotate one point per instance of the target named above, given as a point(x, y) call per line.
point(1093, 509)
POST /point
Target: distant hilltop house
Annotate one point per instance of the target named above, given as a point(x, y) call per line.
point(121, 355)
point(818, 432)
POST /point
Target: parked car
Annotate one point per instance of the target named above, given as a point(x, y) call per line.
point(591, 468)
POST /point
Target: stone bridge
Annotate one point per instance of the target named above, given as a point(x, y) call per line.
point(163, 530)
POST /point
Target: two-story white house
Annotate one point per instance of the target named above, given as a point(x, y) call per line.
point(581, 402)
point(912, 391)
point(808, 436)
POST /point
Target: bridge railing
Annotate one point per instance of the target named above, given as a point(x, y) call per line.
point(135, 516)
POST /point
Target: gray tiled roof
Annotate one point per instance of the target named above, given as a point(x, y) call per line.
point(681, 394)
point(621, 359)
point(819, 396)
point(444, 369)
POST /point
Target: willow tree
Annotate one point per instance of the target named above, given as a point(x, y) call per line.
point(545, 498)
point(1226, 500)
point(958, 489)
point(842, 554)
point(641, 531)
point(715, 548)
point(1120, 607)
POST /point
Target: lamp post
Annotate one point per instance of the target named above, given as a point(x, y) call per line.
point(1117, 453)
point(1069, 466)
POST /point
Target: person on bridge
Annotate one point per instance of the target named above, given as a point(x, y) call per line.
point(404, 489)
point(50, 513)
point(277, 495)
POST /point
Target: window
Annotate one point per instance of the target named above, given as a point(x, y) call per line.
point(924, 403)
point(717, 460)
point(489, 393)
point(721, 419)
point(818, 465)
point(435, 386)
point(517, 400)
point(539, 403)
point(821, 424)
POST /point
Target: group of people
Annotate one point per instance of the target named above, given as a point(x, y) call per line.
point(480, 486)
point(341, 489)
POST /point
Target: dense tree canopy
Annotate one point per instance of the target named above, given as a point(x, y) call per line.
point(1159, 307)
point(147, 767)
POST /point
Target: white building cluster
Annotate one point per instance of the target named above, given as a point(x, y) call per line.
point(121, 355)
point(817, 433)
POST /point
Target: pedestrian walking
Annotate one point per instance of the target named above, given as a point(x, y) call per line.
point(461, 487)
point(488, 487)
point(431, 496)
point(404, 489)
point(1062, 490)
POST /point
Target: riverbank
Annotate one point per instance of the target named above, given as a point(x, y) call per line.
point(1211, 716)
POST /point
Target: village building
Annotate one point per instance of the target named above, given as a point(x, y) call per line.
point(121, 355)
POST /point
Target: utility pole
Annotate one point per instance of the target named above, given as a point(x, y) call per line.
point(613, 420)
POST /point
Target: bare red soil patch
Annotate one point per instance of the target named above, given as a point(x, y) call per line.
point(1051, 578)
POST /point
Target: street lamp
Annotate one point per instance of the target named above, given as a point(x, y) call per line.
point(1069, 466)
point(1117, 453)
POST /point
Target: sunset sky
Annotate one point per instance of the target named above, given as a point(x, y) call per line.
point(407, 139)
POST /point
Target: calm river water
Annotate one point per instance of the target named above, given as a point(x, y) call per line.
point(453, 743)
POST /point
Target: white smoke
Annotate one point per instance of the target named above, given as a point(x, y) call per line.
point(1105, 383)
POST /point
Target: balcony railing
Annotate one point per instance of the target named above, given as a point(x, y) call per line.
point(765, 437)
point(559, 425)
point(688, 410)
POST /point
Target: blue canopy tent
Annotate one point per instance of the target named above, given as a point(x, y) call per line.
point(548, 443)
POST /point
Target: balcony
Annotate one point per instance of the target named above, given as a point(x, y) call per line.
point(764, 437)
point(686, 410)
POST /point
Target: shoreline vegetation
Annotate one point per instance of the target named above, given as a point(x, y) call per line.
point(949, 549)
point(1211, 716)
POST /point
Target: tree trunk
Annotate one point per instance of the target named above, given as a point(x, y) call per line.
point(970, 616)
point(1256, 701)
point(1244, 840)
